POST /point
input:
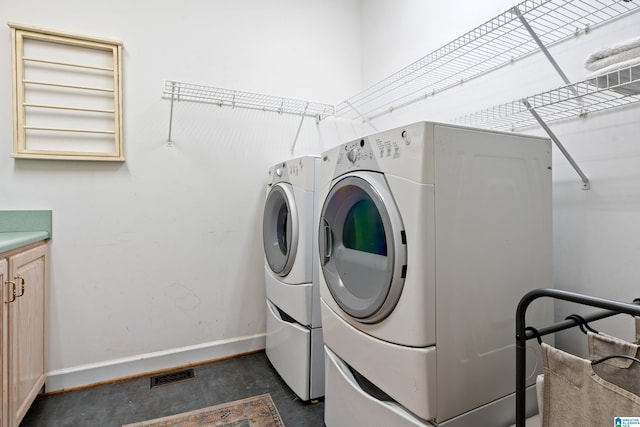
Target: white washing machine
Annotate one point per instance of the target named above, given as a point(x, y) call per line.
point(294, 328)
point(429, 235)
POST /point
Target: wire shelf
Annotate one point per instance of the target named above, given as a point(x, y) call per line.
point(179, 91)
point(491, 45)
point(610, 90)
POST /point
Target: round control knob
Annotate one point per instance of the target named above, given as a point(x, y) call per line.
point(352, 155)
point(279, 172)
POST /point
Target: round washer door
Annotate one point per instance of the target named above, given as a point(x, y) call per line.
point(363, 246)
point(280, 229)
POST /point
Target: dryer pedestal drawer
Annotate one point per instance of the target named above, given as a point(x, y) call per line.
point(406, 374)
point(346, 404)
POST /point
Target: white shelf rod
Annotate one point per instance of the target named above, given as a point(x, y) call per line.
point(173, 95)
point(363, 118)
point(586, 185)
point(295, 140)
point(542, 47)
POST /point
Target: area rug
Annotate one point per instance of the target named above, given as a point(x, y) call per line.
point(257, 411)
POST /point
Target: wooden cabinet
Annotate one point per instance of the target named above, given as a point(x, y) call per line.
point(22, 274)
point(4, 408)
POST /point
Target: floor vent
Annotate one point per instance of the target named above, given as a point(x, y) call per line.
point(172, 377)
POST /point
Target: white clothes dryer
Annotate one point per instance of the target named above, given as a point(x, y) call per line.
point(429, 235)
point(294, 333)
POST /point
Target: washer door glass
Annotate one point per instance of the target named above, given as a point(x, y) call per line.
point(363, 246)
point(280, 229)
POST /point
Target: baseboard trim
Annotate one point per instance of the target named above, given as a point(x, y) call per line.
point(143, 364)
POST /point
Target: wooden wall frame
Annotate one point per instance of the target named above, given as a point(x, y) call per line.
point(67, 95)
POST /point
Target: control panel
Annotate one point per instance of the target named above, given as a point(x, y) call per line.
point(356, 154)
point(406, 151)
point(286, 170)
point(366, 153)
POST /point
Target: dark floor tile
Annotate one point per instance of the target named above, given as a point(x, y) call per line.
point(135, 400)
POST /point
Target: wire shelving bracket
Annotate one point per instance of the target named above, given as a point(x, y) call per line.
point(586, 185)
point(515, 10)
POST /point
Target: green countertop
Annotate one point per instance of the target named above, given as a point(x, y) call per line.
point(21, 228)
point(17, 239)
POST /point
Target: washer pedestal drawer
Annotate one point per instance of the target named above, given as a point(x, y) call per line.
point(295, 352)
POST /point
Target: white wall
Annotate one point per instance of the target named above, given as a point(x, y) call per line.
point(158, 261)
point(396, 34)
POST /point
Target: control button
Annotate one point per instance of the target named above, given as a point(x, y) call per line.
point(406, 137)
point(279, 172)
point(352, 155)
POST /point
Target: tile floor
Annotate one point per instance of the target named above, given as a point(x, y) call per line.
point(134, 400)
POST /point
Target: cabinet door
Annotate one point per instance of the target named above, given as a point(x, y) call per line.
point(26, 317)
point(4, 277)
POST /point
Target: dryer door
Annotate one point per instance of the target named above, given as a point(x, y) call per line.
point(363, 246)
point(280, 229)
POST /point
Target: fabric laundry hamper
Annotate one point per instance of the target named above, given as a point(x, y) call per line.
point(622, 372)
point(577, 393)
